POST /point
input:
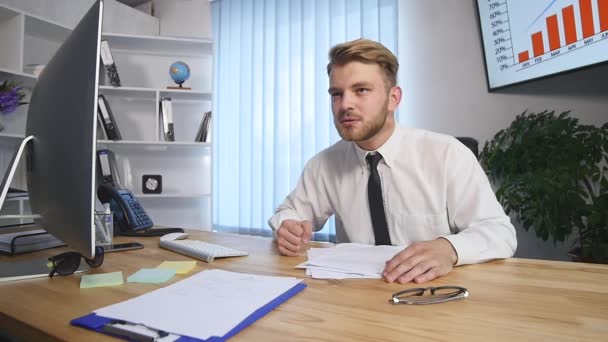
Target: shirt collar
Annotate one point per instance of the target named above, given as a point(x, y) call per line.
point(388, 150)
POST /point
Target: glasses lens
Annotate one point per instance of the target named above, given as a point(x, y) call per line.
point(98, 259)
point(65, 263)
point(446, 291)
point(410, 293)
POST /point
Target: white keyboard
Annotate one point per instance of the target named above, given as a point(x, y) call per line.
point(201, 250)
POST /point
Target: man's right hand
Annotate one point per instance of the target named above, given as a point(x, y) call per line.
point(292, 235)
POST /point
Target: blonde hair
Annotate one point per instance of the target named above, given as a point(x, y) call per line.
point(368, 52)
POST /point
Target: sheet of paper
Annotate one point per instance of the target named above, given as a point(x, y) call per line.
point(180, 267)
point(209, 303)
point(348, 260)
point(324, 274)
point(151, 275)
point(101, 280)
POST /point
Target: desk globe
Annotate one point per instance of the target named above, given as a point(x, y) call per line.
point(179, 72)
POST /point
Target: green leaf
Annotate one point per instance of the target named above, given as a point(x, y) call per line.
point(553, 175)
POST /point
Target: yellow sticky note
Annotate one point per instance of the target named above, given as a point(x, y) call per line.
point(180, 267)
point(101, 280)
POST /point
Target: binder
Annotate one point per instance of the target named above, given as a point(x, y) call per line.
point(201, 135)
point(103, 162)
point(101, 129)
point(100, 324)
point(107, 119)
point(166, 119)
point(108, 63)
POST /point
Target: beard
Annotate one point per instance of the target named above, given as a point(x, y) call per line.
point(364, 129)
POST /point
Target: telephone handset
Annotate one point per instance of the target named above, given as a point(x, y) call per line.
point(129, 216)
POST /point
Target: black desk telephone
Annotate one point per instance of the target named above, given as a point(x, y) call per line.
point(129, 216)
point(128, 213)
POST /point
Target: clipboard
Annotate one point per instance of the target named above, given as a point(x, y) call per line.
point(105, 325)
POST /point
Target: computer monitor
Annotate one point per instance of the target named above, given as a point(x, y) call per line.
point(60, 141)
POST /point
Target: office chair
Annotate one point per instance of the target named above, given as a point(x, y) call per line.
point(471, 143)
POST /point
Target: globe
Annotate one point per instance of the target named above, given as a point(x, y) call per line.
point(179, 72)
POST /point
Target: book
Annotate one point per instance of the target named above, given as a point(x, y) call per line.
point(203, 129)
point(109, 64)
point(33, 240)
point(107, 119)
point(166, 119)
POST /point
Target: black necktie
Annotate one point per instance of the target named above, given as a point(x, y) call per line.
point(376, 204)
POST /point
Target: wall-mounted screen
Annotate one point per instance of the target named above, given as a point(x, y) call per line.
point(529, 39)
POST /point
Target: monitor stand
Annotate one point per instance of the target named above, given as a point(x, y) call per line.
point(28, 269)
point(15, 270)
point(12, 167)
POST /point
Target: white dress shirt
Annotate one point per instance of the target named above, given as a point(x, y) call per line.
point(432, 186)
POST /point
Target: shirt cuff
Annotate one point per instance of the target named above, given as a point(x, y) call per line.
point(465, 254)
point(275, 221)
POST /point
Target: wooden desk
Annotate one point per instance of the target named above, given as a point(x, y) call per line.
point(511, 300)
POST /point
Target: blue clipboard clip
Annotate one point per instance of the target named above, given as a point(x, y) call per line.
point(137, 332)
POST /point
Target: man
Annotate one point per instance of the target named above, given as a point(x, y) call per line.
point(388, 184)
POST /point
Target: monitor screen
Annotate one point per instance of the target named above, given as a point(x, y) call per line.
point(62, 120)
point(525, 40)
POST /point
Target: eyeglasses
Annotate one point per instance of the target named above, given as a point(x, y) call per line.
point(419, 296)
point(68, 262)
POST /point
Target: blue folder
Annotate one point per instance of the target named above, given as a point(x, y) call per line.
point(97, 323)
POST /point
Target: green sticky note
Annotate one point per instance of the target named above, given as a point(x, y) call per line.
point(180, 267)
point(151, 275)
point(101, 280)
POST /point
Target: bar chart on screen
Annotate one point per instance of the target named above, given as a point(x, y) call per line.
point(526, 39)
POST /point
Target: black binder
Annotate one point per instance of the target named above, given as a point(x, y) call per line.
point(203, 130)
point(107, 119)
point(108, 62)
point(166, 119)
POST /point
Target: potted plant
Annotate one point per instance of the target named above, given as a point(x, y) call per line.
point(11, 96)
point(551, 171)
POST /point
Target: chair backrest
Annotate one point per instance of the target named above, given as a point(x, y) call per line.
point(471, 143)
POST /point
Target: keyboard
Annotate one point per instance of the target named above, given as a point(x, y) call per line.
point(201, 250)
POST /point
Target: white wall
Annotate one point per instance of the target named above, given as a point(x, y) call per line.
point(443, 78)
point(184, 18)
point(118, 17)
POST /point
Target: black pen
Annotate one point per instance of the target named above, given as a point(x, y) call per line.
point(135, 332)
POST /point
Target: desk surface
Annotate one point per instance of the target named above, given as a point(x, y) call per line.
point(513, 299)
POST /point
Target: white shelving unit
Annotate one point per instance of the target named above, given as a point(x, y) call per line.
point(143, 65)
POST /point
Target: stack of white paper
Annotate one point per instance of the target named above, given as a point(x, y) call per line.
point(348, 260)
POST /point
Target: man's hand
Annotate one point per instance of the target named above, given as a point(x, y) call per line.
point(292, 235)
point(421, 262)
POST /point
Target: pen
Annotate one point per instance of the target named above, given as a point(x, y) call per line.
point(133, 332)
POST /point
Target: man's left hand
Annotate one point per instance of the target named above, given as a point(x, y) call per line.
point(421, 262)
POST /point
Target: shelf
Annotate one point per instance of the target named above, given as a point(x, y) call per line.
point(172, 195)
point(7, 13)
point(159, 45)
point(154, 145)
point(185, 95)
point(12, 136)
point(25, 79)
point(46, 29)
point(128, 92)
point(175, 95)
